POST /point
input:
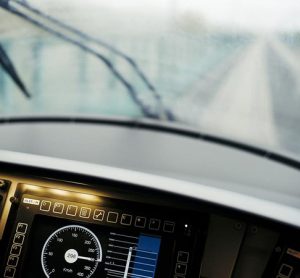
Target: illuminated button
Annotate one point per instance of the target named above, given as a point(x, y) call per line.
point(98, 214)
point(180, 269)
point(45, 205)
point(22, 228)
point(85, 212)
point(169, 227)
point(9, 272)
point(154, 224)
point(16, 249)
point(183, 257)
point(112, 217)
point(71, 210)
point(19, 238)
point(12, 260)
point(285, 271)
point(58, 208)
point(140, 222)
point(126, 219)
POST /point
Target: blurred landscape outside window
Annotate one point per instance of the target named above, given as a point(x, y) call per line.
point(230, 68)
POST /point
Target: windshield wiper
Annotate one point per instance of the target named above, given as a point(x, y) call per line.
point(90, 38)
point(9, 68)
point(161, 111)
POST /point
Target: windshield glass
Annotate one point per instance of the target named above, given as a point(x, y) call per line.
point(229, 68)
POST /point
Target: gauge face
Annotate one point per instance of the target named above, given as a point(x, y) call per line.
point(71, 251)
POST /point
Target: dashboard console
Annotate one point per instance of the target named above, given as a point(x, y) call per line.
point(59, 224)
point(63, 233)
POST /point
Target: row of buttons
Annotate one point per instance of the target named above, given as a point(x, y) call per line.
point(112, 217)
point(15, 250)
point(181, 265)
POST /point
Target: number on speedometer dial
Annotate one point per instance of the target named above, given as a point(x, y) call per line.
point(71, 251)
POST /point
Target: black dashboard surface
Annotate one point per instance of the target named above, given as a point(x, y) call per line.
point(63, 224)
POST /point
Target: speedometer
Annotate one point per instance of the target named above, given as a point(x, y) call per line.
point(71, 251)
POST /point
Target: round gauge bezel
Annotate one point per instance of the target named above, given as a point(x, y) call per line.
point(68, 227)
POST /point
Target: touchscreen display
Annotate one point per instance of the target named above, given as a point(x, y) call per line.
point(62, 248)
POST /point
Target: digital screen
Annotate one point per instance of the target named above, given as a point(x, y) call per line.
point(142, 256)
point(63, 248)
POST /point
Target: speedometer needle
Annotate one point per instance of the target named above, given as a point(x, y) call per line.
point(89, 259)
point(128, 262)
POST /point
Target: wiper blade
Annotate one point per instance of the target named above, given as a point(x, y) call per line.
point(9, 68)
point(160, 112)
point(102, 43)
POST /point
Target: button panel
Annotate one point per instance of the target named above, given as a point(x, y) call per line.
point(183, 257)
point(112, 217)
point(182, 264)
point(106, 216)
point(169, 227)
point(58, 208)
point(45, 205)
point(12, 261)
point(85, 212)
point(15, 250)
point(148, 221)
point(9, 272)
point(72, 210)
point(19, 238)
point(126, 219)
point(285, 271)
point(21, 228)
point(180, 269)
point(140, 222)
point(154, 224)
point(98, 214)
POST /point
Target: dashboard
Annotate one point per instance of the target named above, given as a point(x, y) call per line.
point(67, 230)
point(163, 205)
point(77, 235)
point(61, 224)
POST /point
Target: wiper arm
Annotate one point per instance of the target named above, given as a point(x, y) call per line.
point(85, 36)
point(9, 68)
point(161, 111)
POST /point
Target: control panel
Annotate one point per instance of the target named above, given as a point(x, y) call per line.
point(285, 258)
point(64, 229)
point(60, 233)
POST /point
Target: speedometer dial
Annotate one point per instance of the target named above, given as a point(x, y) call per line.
point(71, 251)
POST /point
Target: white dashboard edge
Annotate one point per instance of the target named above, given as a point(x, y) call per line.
point(264, 208)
